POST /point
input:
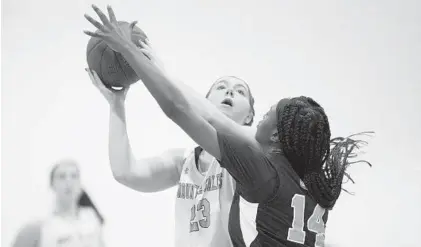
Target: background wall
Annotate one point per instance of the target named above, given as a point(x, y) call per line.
point(360, 59)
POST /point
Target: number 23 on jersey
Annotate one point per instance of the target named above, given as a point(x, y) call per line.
point(204, 207)
point(315, 223)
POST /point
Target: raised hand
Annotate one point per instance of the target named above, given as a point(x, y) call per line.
point(110, 31)
point(113, 96)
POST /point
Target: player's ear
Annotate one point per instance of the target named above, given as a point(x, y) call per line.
point(274, 137)
point(249, 119)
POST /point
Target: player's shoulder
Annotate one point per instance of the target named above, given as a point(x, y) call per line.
point(246, 133)
point(33, 226)
point(30, 232)
point(244, 139)
point(188, 152)
point(178, 157)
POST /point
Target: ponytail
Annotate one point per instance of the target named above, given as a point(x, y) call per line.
point(320, 162)
point(326, 185)
point(85, 201)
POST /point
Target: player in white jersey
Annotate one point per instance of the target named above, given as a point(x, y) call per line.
point(75, 221)
point(205, 190)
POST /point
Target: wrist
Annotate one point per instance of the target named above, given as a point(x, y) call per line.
point(128, 48)
point(118, 109)
point(117, 105)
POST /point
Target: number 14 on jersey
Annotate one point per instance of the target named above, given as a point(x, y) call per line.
point(314, 224)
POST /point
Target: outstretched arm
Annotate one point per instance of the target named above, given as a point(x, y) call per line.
point(237, 151)
point(120, 41)
point(154, 76)
point(169, 97)
point(172, 101)
point(199, 104)
point(258, 173)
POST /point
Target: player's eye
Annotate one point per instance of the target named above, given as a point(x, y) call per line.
point(220, 87)
point(240, 91)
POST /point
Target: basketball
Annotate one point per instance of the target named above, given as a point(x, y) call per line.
point(111, 67)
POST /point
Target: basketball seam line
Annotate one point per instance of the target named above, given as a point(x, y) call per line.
point(118, 61)
point(100, 60)
point(97, 44)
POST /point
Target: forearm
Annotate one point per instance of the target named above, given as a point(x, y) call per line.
point(206, 109)
point(169, 97)
point(196, 101)
point(119, 149)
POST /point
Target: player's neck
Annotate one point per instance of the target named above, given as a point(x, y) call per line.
point(272, 149)
point(66, 209)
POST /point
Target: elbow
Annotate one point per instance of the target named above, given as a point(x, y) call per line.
point(127, 181)
point(135, 182)
point(120, 177)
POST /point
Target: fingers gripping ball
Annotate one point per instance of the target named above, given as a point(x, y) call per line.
point(111, 67)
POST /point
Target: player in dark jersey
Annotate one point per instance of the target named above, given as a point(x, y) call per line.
point(287, 166)
point(291, 172)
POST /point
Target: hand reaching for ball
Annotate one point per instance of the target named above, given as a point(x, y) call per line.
point(110, 31)
point(118, 38)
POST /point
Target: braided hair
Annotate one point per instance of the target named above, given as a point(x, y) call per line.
point(321, 163)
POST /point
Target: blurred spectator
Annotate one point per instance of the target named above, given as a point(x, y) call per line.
point(75, 221)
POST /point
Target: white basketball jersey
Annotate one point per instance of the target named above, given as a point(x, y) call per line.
point(85, 231)
point(202, 206)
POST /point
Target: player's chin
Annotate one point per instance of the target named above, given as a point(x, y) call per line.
point(227, 110)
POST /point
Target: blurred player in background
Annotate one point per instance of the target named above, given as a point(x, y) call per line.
point(75, 220)
point(288, 166)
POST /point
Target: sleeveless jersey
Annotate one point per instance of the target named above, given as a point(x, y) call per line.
point(202, 205)
point(85, 231)
point(287, 215)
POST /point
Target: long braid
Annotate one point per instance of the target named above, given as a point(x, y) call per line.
point(321, 163)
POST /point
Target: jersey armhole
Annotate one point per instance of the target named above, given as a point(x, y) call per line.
point(197, 151)
point(275, 192)
point(288, 167)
